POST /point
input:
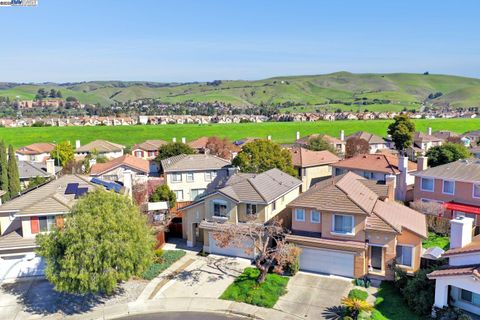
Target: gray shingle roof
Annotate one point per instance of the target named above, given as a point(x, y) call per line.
point(193, 162)
point(29, 170)
point(462, 170)
point(370, 138)
point(100, 146)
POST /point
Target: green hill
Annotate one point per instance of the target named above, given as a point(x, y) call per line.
point(378, 91)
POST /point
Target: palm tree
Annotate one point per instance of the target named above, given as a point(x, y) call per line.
point(356, 306)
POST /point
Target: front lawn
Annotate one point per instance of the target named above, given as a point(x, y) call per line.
point(246, 289)
point(166, 259)
point(436, 240)
point(390, 305)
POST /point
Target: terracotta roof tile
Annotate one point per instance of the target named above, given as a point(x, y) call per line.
point(303, 157)
point(149, 145)
point(200, 143)
point(449, 271)
point(125, 160)
point(384, 163)
point(473, 246)
point(36, 148)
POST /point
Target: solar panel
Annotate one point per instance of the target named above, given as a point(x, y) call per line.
point(80, 192)
point(71, 188)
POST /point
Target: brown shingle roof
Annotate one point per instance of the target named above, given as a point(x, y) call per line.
point(383, 163)
point(303, 157)
point(399, 216)
point(126, 160)
point(100, 146)
point(423, 137)
point(193, 162)
point(149, 145)
point(36, 148)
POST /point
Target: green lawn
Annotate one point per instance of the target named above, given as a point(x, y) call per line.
point(281, 132)
point(245, 289)
point(390, 305)
point(168, 258)
point(435, 240)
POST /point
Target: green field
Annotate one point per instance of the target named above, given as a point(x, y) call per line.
point(281, 132)
point(402, 89)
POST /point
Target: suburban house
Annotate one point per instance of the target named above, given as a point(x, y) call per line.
point(237, 199)
point(312, 166)
point(36, 152)
point(148, 149)
point(351, 226)
point(338, 144)
point(138, 170)
point(190, 175)
point(29, 170)
point(376, 143)
point(199, 145)
point(456, 186)
point(422, 142)
point(381, 167)
point(102, 148)
point(456, 284)
point(37, 211)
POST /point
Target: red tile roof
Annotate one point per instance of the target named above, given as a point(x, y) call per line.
point(384, 163)
point(36, 148)
point(302, 157)
point(126, 160)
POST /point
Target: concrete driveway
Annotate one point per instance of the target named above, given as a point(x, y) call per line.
point(205, 277)
point(310, 296)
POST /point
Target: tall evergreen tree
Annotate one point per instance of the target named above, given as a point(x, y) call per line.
point(13, 176)
point(4, 171)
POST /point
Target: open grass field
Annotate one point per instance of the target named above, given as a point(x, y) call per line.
point(281, 132)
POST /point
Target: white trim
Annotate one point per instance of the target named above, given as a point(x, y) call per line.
point(413, 254)
point(41, 214)
point(295, 214)
point(341, 233)
point(319, 216)
point(443, 187)
point(433, 185)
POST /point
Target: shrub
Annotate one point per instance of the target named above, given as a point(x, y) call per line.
point(419, 292)
point(358, 294)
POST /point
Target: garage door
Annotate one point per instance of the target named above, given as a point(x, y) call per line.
point(327, 261)
point(229, 251)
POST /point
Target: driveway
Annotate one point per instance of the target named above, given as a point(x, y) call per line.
point(310, 296)
point(205, 277)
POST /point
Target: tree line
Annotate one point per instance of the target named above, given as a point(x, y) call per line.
point(9, 177)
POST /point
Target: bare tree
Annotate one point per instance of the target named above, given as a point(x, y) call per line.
point(436, 214)
point(265, 241)
point(356, 146)
point(222, 148)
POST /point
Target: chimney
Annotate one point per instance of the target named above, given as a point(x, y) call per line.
point(391, 183)
point(92, 161)
point(174, 139)
point(429, 131)
point(77, 144)
point(298, 135)
point(269, 138)
point(422, 163)
point(460, 232)
point(50, 167)
point(184, 140)
point(342, 135)
point(128, 181)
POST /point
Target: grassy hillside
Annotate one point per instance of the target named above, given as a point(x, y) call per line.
point(282, 132)
point(403, 90)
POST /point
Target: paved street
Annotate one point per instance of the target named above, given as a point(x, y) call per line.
point(182, 316)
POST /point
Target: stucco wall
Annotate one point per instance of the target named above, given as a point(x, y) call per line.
point(463, 192)
point(198, 182)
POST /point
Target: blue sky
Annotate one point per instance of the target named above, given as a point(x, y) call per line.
point(197, 40)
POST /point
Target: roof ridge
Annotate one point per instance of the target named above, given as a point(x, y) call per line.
point(254, 188)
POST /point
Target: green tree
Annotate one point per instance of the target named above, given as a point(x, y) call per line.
point(53, 93)
point(446, 153)
point(319, 144)
point(63, 153)
point(262, 155)
point(4, 171)
point(401, 131)
point(105, 240)
point(59, 94)
point(163, 193)
point(173, 149)
point(13, 176)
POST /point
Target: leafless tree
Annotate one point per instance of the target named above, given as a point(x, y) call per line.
point(436, 214)
point(269, 246)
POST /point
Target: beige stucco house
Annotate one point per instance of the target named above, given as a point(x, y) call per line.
point(242, 197)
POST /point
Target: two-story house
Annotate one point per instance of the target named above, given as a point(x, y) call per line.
point(375, 142)
point(422, 142)
point(240, 198)
point(455, 185)
point(190, 175)
point(102, 148)
point(457, 284)
point(312, 166)
point(351, 226)
point(114, 170)
point(148, 149)
point(338, 144)
point(36, 152)
point(381, 167)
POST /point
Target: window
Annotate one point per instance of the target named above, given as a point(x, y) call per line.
point(314, 216)
point(405, 255)
point(176, 177)
point(151, 153)
point(469, 296)
point(342, 224)
point(251, 209)
point(427, 184)
point(274, 205)
point(368, 175)
point(338, 171)
point(299, 215)
point(46, 223)
point(138, 154)
point(448, 187)
point(196, 193)
point(476, 190)
point(210, 175)
point(220, 208)
point(179, 194)
point(189, 176)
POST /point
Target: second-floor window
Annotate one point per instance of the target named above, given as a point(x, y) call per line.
point(314, 216)
point(196, 193)
point(299, 215)
point(179, 194)
point(138, 154)
point(426, 184)
point(176, 177)
point(190, 177)
point(448, 187)
point(251, 209)
point(476, 190)
point(220, 208)
point(210, 175)
point(46, 223)
point(342, 224)
point(151, 153)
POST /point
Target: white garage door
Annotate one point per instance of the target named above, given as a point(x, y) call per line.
point(327, 261)
point(229, 251)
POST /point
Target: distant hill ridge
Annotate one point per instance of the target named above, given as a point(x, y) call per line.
point(400, 89)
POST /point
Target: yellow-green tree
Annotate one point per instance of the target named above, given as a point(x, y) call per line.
point(63, 153)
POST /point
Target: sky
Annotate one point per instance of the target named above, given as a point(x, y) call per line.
point(203, 40)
